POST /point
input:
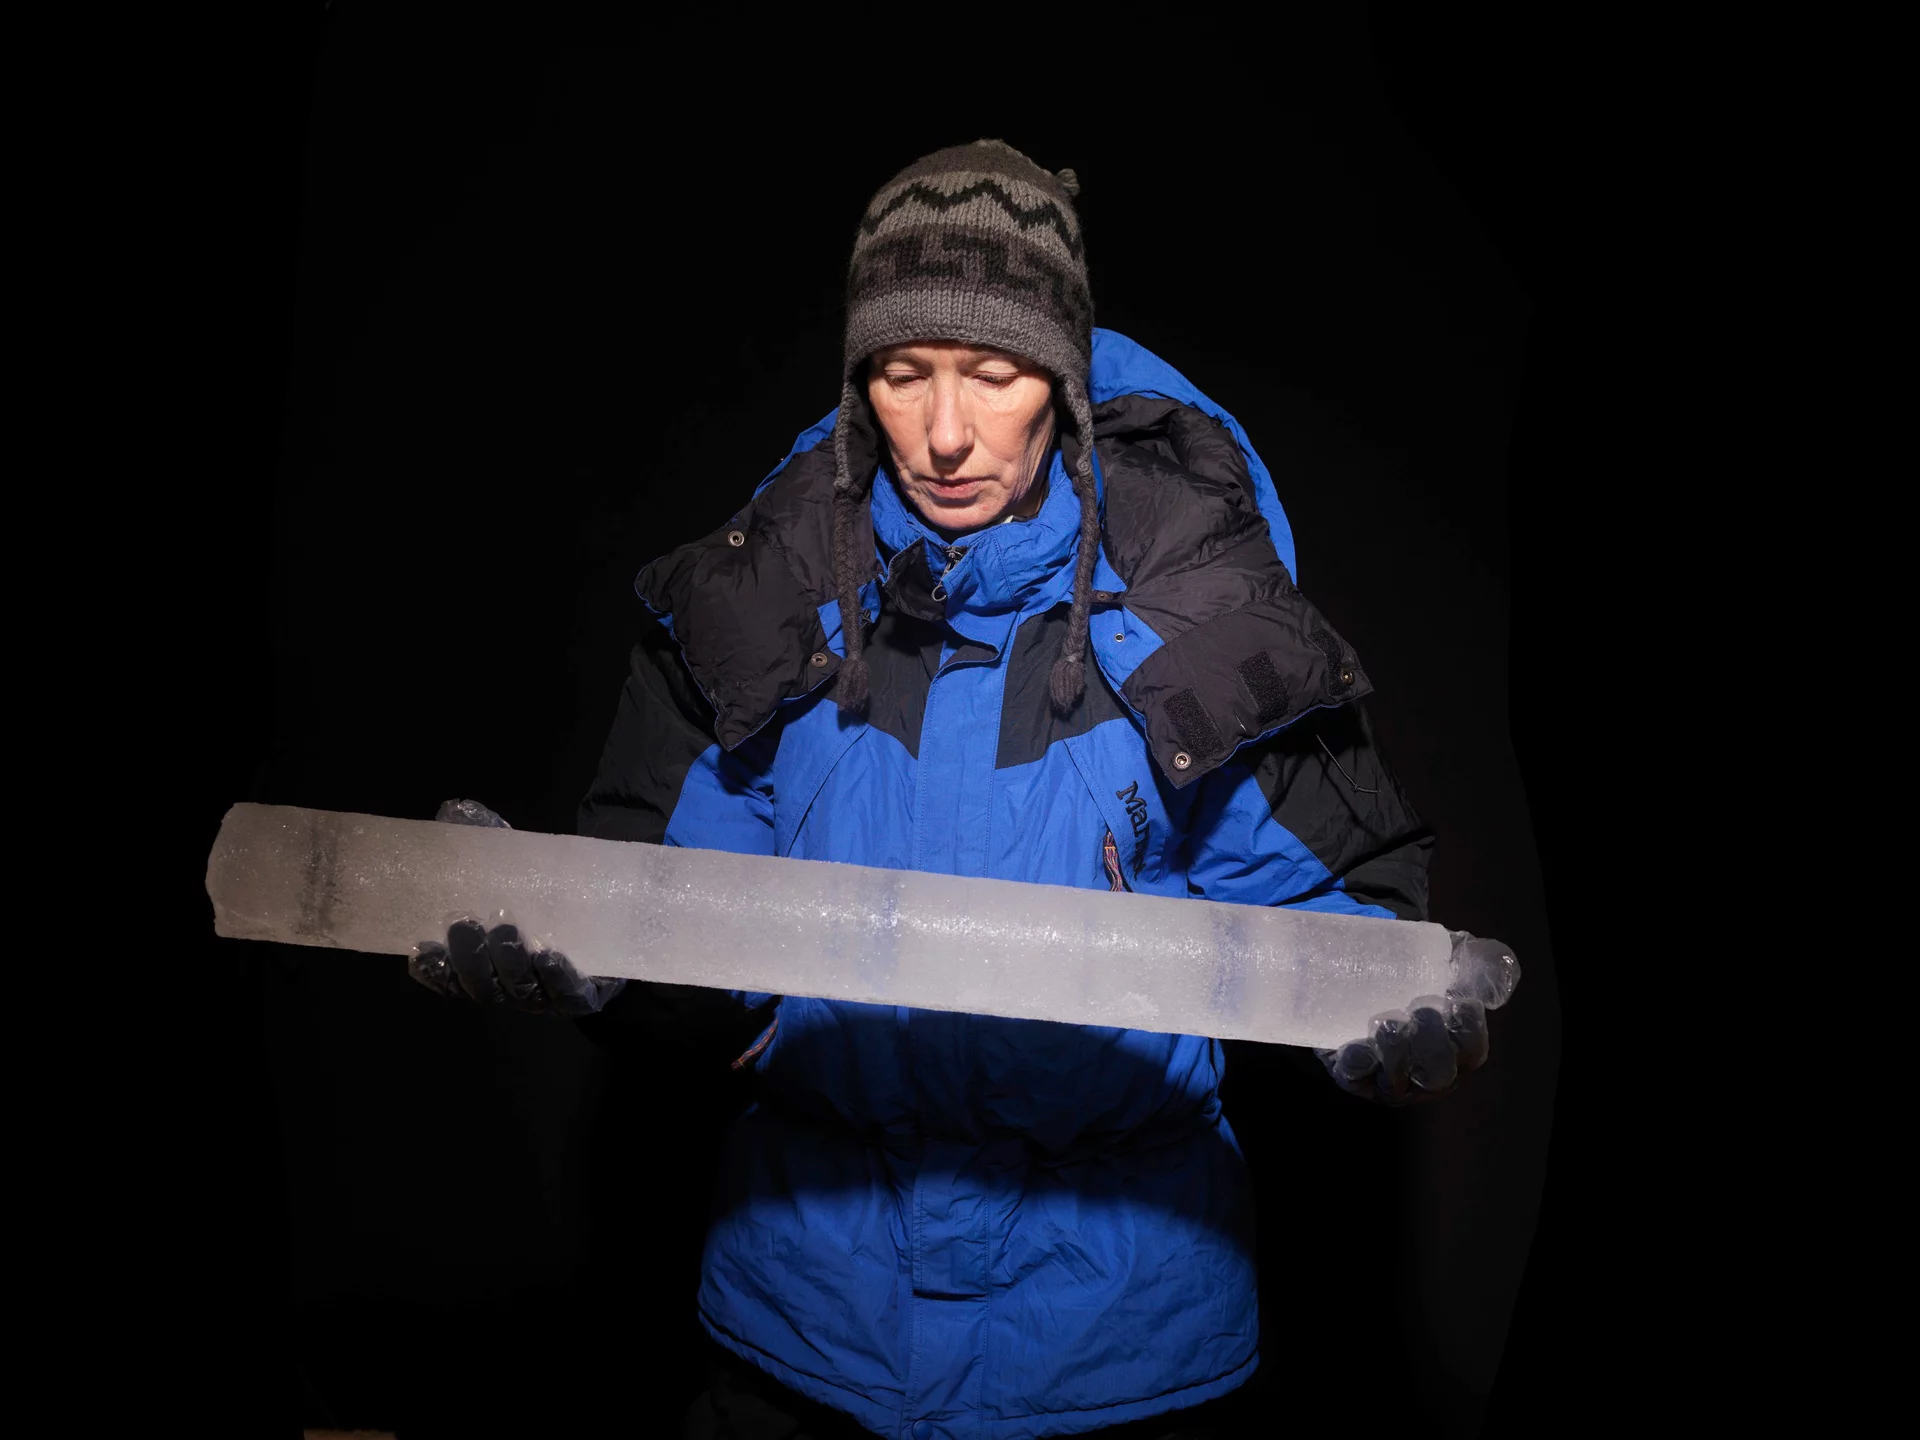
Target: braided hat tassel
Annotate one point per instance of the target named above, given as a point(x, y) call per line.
point(849, 499)
point(1068, 680)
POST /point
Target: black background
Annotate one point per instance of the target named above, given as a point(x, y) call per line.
point(497, 321)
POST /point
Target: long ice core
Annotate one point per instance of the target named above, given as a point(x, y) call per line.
point(813, 927)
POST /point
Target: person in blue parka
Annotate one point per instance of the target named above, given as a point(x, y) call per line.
point(1022, 605)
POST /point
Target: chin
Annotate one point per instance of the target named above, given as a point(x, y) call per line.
point(975, 512)
point(970, 520)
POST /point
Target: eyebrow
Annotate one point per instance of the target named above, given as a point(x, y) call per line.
point(984, 354)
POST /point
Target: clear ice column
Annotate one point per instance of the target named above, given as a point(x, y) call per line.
point(839, 932)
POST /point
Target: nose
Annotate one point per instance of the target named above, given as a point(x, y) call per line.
point(949, 423)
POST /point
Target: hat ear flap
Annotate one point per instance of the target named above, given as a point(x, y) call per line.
point(849, 494)
point(1068, 680)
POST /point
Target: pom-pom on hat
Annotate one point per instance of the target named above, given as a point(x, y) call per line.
point(978, 245)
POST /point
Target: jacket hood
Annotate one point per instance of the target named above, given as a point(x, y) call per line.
point(1195, 570)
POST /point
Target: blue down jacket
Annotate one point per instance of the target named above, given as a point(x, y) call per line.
point(955, 1225)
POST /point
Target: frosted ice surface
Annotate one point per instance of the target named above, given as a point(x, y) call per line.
point(812, 927)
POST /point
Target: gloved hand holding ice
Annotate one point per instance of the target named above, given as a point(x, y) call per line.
point(1421, 1052)
point(824, 929)
point(489, 961)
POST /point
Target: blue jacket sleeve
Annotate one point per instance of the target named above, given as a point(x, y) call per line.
point(1311, 818)
point(664, 780)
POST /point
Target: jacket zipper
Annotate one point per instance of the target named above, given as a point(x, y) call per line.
point(766, 1039)
point(1110, 856)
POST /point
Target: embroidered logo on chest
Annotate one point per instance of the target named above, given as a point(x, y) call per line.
point(1137, 816)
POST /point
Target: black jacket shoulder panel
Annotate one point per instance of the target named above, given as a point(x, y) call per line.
point(744, 600)
point(1244, 652)
point(1178, 496)
point(795, 513)
point(1240, 676)
point(661, 728)
point(1328, 785)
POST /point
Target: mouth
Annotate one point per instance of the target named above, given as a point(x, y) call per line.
point(959, 487)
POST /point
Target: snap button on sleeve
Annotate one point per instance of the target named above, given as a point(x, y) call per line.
point(819, 659)
point(736, 538)
point(1181, 760)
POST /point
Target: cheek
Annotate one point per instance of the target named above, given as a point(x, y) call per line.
point(1016, 428)
point(898, 422)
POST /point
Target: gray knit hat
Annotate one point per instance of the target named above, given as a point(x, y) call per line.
point(975, 244)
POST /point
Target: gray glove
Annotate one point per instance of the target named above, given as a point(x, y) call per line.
point(490, 964)
point(1420, 1053)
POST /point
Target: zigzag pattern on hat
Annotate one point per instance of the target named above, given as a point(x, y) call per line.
point(981, 261)
point(1046, 213)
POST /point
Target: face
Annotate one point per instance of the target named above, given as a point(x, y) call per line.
point(966, 428)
